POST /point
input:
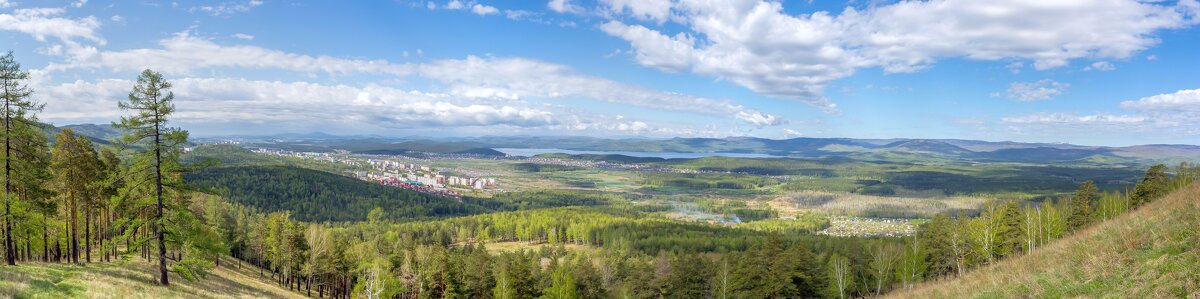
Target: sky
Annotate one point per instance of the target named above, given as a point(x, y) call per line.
point(1099, 72)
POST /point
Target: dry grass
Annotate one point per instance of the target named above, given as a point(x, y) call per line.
point(130, 278)
point(1153, 252)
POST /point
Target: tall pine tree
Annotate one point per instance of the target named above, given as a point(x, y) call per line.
point(156, 165)
point(1153, 185)
point(18, 112)
point(76, 167)
point(1081, 205)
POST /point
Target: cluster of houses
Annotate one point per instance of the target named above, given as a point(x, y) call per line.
point(335, 157)
point(421, 175)
point(841, 226)
point(394, 173)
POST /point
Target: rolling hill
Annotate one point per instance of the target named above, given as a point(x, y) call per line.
point(927, 146)
point(1148, 253)
point(318, 196)
point(958, 150)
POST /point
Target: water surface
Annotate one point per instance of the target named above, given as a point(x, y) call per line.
point(527, 152)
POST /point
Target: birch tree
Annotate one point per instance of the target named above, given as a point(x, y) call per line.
point(839, 268)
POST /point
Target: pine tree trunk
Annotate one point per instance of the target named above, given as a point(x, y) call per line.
point(158, 184)
point(67, 239)
point(74, 232)
point(45, 244)
point(87, 235)
point(8, 243)
point(101, 233)
point(128, 246)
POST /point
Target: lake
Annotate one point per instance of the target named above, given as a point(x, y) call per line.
point(527, 152)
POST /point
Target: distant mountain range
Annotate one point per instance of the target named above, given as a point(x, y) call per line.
point(889, 149)
point(98, 134)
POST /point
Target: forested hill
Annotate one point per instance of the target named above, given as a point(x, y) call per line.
point(319, 196)
point(1148, 253)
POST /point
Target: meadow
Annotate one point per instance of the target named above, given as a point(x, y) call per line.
point(1147, 253)
point(131, 277)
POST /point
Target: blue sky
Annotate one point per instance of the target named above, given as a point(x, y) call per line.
point(1111, 72)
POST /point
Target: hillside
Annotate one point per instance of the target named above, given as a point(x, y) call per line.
point(936, 150)
point(318, 196)
point(926, 146)
point(1148, 253)
point(132, 278)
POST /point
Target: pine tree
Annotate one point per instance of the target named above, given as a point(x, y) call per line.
point(1081, 205)
point(1011, 230)
point(76, 169)
point(31, 171)
point(1153, 185)
point(109, 189)
point(18, 111)
point(157, 163)
point(935, 235)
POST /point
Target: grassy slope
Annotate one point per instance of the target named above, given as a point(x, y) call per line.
point(130, 278)
point(1153, 252)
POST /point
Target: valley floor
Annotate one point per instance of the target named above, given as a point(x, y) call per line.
point(131, 278)
point(1153, 252)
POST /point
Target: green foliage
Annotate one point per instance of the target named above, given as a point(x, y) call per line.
point(1153, 185)
point(803, 223)
point(990, 180)
point(879, 190)
point(228, 155)
point(766, 166)
point(773, 270)
point(549, 198)
point(912, 264)
point(540, 167)
point(562, 284)
point(19, 121)
point(608, 227)
point(1082, 204)
point(604, 158)
point(76, 166)
point(318, 196)
point(702, 181)
point(154, 188)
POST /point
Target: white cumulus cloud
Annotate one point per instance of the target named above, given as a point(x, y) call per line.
point(515, 78)
point(484, 10)
point(205, 100)
point(1070, 119)
point(1101, 66)
point(183, 53)
point(563, 6)
point(1183, 100)
point(1036, 91)
point(226, 9)
point(758, 45)
point(49, 22)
